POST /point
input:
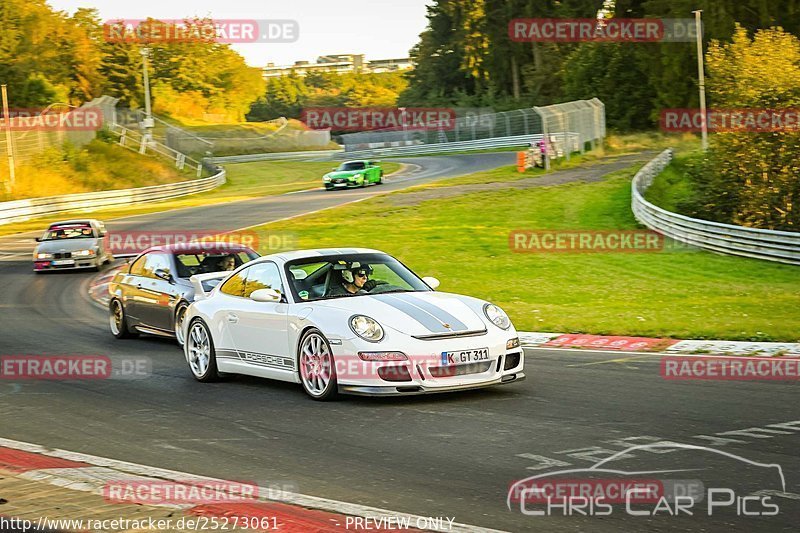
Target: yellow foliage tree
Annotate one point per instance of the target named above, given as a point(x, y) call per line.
point(753, 178)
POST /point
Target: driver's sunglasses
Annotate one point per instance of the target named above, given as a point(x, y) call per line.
point(362, 274)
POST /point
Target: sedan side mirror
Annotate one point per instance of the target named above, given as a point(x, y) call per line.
point(265, 295)
point(163, 273)
point(431, 282)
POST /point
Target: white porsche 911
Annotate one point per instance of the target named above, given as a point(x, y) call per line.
point(353, 321)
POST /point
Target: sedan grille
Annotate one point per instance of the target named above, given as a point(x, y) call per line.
point(460, 370)
point(62, 255)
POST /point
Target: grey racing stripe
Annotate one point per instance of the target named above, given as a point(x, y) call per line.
point(424, 318)
point(438, 312)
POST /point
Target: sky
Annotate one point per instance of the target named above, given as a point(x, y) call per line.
point(381, 29)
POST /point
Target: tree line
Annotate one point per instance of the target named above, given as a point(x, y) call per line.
point(49, 56)
point(466, 57)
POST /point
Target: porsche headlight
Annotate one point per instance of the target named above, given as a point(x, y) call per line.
point(497, 316)
point(326, 178)
point(366, 328)
point(44, 256)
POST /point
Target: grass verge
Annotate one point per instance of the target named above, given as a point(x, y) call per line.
point(673, 189)
point(99, 166)
point(464, 241)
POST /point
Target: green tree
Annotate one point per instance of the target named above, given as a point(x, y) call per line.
point(750, 178)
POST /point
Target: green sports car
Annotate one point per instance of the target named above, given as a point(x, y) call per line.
point(354, 174)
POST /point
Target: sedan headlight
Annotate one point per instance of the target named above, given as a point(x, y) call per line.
point(497, 316)
point(366, 328)
point(44, 255)
point(83, 253)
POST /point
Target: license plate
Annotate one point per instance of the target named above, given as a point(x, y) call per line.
point(63, 262)
point(465, 356)
point(340, 185)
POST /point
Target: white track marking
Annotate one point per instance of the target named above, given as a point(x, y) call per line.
point(89, 482)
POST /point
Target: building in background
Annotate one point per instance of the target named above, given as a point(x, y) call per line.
point(339, 63)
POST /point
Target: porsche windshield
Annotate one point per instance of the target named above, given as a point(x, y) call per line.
point(340, 276)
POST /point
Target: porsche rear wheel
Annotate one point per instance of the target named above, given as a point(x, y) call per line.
point(316, 366)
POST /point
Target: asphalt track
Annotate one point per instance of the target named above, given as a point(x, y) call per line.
point(442, 456)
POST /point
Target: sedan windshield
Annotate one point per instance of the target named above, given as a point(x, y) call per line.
point(341, 276)
point(355, 165)
point(73, 231)
point(206, 262)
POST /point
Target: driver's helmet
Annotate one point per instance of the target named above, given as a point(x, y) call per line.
point(355, 268)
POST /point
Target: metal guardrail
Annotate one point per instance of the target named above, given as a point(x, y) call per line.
point(19, 210)
point(770, 245)
point(461, 146)
point(312, 155)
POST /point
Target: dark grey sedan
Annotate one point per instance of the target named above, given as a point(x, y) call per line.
point(152, 292)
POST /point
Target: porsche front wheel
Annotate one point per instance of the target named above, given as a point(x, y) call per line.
point(200, 352)
point(316, 366)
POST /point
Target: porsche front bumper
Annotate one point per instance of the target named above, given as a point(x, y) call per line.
point(410, 389)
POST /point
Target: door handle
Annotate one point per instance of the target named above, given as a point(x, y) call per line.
point(232, 318)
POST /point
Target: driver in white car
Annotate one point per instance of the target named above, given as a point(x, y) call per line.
point(355, 280)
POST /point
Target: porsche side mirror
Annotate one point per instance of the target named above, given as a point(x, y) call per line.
point(431, 282)
point(38, 239)
point(163, 273)
point(265, 295)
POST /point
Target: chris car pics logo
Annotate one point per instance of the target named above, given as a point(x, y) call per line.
point(686, 485)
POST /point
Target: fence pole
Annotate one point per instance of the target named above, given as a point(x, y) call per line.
point(9, 143)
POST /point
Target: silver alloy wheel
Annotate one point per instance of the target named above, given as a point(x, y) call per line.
point(199, 349)
point(316, 364)
point(116, 318)
point(179, 318)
